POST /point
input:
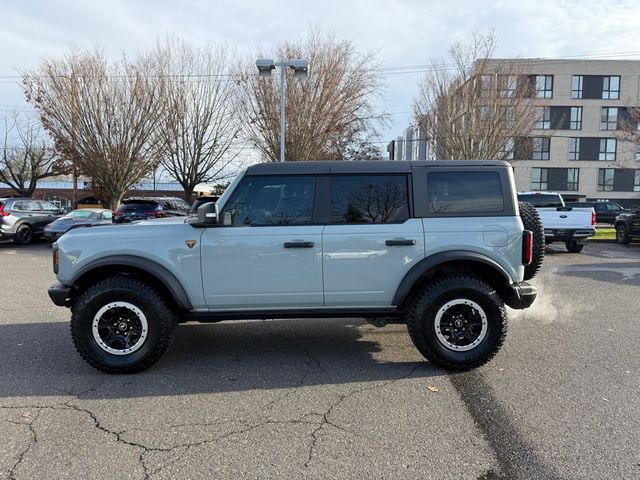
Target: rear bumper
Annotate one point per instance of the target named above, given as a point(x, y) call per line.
point(520, 295)
point(60, 294)
point(566, 235)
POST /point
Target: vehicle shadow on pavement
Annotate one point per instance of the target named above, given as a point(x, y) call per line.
point(38, 359)
point(627, 273)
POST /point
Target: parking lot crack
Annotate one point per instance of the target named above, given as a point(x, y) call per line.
point(341, 398)
point(32, 441)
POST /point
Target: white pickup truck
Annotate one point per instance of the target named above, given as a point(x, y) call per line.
point(561, 223)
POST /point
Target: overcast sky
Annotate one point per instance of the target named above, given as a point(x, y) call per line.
point(400, 32)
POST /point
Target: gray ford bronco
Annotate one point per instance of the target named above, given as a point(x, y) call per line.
point(442, 246)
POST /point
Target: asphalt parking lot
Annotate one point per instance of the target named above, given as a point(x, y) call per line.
point(332, 398)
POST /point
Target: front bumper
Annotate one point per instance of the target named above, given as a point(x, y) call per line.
point(60, 294)
point(520, 295)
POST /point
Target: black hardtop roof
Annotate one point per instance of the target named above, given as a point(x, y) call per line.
point(365, 166)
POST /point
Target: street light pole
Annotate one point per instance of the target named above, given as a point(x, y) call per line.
point(300, 68)
point(282, 118)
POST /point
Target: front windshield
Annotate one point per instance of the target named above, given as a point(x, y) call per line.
point(81, 214)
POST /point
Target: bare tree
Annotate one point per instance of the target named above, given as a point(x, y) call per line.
point(475, 107)
point(105, 114)
point(202, 120)
point(325, 113)
point(27, 155)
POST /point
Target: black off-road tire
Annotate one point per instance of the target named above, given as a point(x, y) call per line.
point(622, 234)
point(23, 235)
point(573, 246)
point(532, 222)
point(160, 317)
point(422, 313)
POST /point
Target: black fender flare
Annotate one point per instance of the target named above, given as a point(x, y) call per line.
point(149, 266)
point(432, 261)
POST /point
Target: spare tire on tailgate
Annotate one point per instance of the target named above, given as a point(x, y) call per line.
point(531, 221)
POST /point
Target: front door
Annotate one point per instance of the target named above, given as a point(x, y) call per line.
point(371, 242)
point(268, 255)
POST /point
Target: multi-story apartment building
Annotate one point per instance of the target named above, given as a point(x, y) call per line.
point(412, 145)
point(579, 145)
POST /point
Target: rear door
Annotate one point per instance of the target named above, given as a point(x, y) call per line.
point(371, 241)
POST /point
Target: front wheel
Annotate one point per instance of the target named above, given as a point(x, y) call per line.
point(622, 234)
point(122, 325)
point(573, 246)
point(458, 322)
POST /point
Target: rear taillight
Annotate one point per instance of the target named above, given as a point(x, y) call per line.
point(150, 214)
point(527, 247)
point(119, 214)
point(593, 218)
point(2, 212)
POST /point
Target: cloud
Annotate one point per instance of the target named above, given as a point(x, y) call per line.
point(409, 32)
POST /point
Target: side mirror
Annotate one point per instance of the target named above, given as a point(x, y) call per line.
point(208, 213)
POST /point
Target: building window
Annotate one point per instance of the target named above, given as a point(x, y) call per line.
point(605, 179)
point(506, 152)
point(637, 152)
point(544, 86)
point(486, 84)
point(485, 111)
point(543, 118)
point(573, 179)
point(574, 149)
point(607, 149)
point(507, 84)
point(609, 118)
point(539, 178)
point(611, 88)
point(576, 118)
point(509, 115)
point(576, 86)
point(636, 181)
point(541, 147)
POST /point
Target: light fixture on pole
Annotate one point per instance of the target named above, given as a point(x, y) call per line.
point(300, 68)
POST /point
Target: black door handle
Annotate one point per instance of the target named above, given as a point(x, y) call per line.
point(298, 244)
point(398, 243)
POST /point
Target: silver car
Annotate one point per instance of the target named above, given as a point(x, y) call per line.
point(24, 219)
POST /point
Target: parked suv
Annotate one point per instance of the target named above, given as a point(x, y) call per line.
point(438, 245)
point(23, 219)
point(628, 226)
point(144, 208)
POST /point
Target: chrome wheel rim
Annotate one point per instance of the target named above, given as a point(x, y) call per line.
point(120, 328)
point(461, 325)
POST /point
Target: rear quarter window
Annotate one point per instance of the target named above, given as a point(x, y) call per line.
point(464, 192)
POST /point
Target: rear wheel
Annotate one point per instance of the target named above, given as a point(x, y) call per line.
point(573, 246)
point(122, 325)
point(23, 235)
point(622, 234)
point(457, 322)
point(531, 221)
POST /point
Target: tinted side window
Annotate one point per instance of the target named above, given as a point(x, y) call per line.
point(369, 199)
point(283, 200)
point(464, 192)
